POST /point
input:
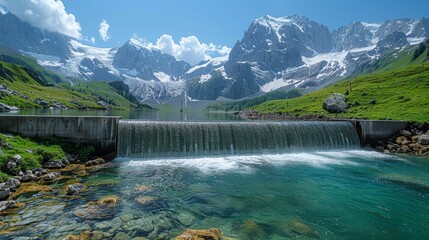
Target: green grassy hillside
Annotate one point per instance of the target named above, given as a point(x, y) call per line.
point(248, 103)
point(22, 81)
point(401, 94)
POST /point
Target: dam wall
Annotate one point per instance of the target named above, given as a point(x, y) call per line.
point(103, 132)
point(100, 132)
point(371, 131)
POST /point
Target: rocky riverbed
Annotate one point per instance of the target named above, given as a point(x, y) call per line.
point(414, 141)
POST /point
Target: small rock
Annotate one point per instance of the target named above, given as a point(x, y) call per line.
point(404, 149)
point(29, 151)
point(95, 162)
point(54, 164)
point(4, 193)
point(28, 177)
point(127, 217)
point(11, 165)
point(373, 101)
point(51, 176)
point(20, 174)
point(415, 138)
point(4, 205)
point(424, 140)
point(401, 140)
point(386, 151)
point(405, 133)
point(211, 234)
point(12, 184)
point(121, 236)
point(74, 189)
point(42, 171)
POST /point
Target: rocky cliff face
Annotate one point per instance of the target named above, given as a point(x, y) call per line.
point(133, 55)
point(20, 35)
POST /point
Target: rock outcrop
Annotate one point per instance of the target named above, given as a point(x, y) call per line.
point(336, 103)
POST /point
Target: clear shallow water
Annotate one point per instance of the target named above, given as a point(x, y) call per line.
point(352, 194)
point(135, 114)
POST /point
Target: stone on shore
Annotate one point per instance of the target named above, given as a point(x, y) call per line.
point(54, 164)
point(336, 103)
point(424, 140)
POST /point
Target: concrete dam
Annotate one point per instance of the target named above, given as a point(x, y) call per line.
point(104, 133)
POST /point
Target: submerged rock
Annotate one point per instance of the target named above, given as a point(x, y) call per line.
point(144, 200)
point(297, 226)
point(193, 234)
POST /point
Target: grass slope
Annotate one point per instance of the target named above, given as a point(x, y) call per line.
point(33, 154)
point(401, 94)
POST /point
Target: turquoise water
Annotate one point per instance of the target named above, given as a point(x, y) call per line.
point(342, 194)
point(164, 115)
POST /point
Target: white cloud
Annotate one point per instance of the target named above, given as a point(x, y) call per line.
point(92, 40)
point(189, 49)
point(104, 30)
point(46, 14)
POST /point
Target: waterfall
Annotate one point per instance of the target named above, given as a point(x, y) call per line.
point(152, 139)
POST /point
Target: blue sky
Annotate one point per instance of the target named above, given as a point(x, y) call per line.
point(223, 21)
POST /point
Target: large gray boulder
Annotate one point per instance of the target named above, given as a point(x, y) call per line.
point(336, 103)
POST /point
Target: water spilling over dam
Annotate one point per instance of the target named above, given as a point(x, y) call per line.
point(152, 139)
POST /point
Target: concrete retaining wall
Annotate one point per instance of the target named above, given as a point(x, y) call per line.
point(371, 131)
point(101, 132)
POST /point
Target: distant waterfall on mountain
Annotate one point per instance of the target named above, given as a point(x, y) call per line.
point(153, 139)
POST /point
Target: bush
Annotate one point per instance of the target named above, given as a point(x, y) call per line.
point(85, 152)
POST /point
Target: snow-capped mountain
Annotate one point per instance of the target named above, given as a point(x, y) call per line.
point(297, 52)
point(273, 53)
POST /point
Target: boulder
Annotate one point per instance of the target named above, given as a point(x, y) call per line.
point(74, 189)
point(28, 177)
point(16, 158)
point(4, 205)
point(42, 171)
point(401, 140)
point(405, 133)
point(4, 193)
point(7, 108)
point(54, 164)
point(11, 165)
point(424, 140)
point(336, 103)
point(12, 184)
point(94, 162)
point(51, 176)
point(41, 102)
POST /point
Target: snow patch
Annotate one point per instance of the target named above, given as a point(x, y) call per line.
point(163, 77)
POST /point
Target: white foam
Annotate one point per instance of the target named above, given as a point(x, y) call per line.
point(247, 164)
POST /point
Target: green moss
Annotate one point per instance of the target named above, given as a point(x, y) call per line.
point(33, 153)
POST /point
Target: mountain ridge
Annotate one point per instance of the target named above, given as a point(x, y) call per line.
point(286, 52)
